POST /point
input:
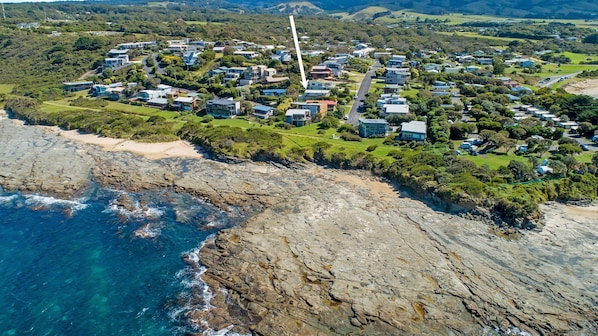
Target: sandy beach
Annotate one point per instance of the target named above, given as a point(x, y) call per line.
point(152, 151)
point(587, 87)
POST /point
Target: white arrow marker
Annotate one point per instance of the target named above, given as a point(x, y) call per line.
point(299, 59)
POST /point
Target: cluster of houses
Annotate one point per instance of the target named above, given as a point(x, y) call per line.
point(478, 63)
point(391, 103)
point(119, 57)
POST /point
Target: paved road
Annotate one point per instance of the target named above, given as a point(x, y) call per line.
point(364, 88)
point(556, 79)
point(148, 70)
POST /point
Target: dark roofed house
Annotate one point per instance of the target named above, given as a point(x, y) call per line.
point(263, 112)
point(223, 108)
point(76, 86)
point(369, 128)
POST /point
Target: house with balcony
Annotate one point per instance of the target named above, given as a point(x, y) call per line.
point(223, 108)
point(399, 76)
point(320, 72)
point(263, 112)
point(184, 103)
point(370, 128)
point(320, 85)
point(413, 130)
point(274, 92)
point(284, 56)
point(297, 117)
point(396, 61)
point(312, 107)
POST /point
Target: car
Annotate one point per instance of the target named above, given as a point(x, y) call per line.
point(585, 147)
point(356, 97)
point(346, 118)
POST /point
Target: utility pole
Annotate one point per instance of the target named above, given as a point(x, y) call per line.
point(3, 12)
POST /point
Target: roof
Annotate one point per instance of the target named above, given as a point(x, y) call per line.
point(396, 108)
point(414, 127)
point(373, 121)
point(291, 112)
point(262, 108)
point(77, 83)
point(322, 92)
point(275, 90)
point(184, 99)
point(219, 101)
point(158, 101)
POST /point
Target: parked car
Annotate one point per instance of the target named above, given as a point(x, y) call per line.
point(585, 147)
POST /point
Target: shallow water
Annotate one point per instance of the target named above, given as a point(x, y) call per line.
point(78, 268)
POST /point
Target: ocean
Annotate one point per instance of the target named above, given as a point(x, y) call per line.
point(80, 267)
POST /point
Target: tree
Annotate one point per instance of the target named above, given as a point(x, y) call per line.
point(521, 172)
point(498, 66)
point(247, 107)
point(595, 159)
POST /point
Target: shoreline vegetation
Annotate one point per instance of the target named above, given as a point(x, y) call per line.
point(432, 172)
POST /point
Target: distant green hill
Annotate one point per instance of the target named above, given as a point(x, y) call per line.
point(587, 9)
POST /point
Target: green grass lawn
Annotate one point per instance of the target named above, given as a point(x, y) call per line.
point(502, 41)
point(6, 88)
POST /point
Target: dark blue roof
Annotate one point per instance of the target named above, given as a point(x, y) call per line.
point(275, 90)
point(262, 108)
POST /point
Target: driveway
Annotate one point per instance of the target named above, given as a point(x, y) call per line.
point(364, 88)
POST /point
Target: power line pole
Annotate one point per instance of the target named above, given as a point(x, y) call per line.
point(3, 12)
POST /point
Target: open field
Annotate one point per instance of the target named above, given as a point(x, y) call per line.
point(502, 41)
point(450, 19)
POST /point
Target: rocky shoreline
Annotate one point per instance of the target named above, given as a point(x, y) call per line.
point(331, 252)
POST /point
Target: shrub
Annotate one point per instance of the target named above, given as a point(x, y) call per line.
point(350, 137)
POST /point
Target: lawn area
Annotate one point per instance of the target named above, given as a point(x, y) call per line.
point(494, 161)
point(6, 88)
point(578, 58)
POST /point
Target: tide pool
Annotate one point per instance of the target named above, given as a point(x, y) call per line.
point(78, 267)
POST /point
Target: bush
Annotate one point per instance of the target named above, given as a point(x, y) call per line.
point(350, 137)
point(371, 148)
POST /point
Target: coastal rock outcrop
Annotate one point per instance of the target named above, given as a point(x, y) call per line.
point(350, 257)
point(332, 252)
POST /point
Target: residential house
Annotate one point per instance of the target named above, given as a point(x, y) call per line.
point(256, 73)
point(274, 92)
point(284, 56)
point(116, 63)
point(386, 99)
point(327, 105)
point(320, 85)
point(297, 117)
point(137, 45)
point(453, 69)
point(395, 109)
point(263, 112)
point(432, 67)
point(190, 58)
point(441, 89)
point(160, 103)
point(337, 66)
point(485, 61)
point(369, 128)
point(568, 124)
point(392, 89)
point(379, 54)
point(76, 86)
point(113, 53)
point(413, 130)
point(100, 90)
point(247, 54)
point(313, 94)
point(223, 108)
point(522, 90)
point(185, 103)
point(397, 75)
point(362, 51)
point(312, 107)
point(396, 61)
point(320, 72)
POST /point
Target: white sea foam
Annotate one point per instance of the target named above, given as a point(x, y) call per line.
point(190, 278)
point(47, 201)
point(8, 199)
point(137, 212)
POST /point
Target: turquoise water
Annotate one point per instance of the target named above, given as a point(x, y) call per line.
point(77, 267)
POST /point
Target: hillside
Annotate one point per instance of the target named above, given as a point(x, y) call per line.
point(513, 8)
